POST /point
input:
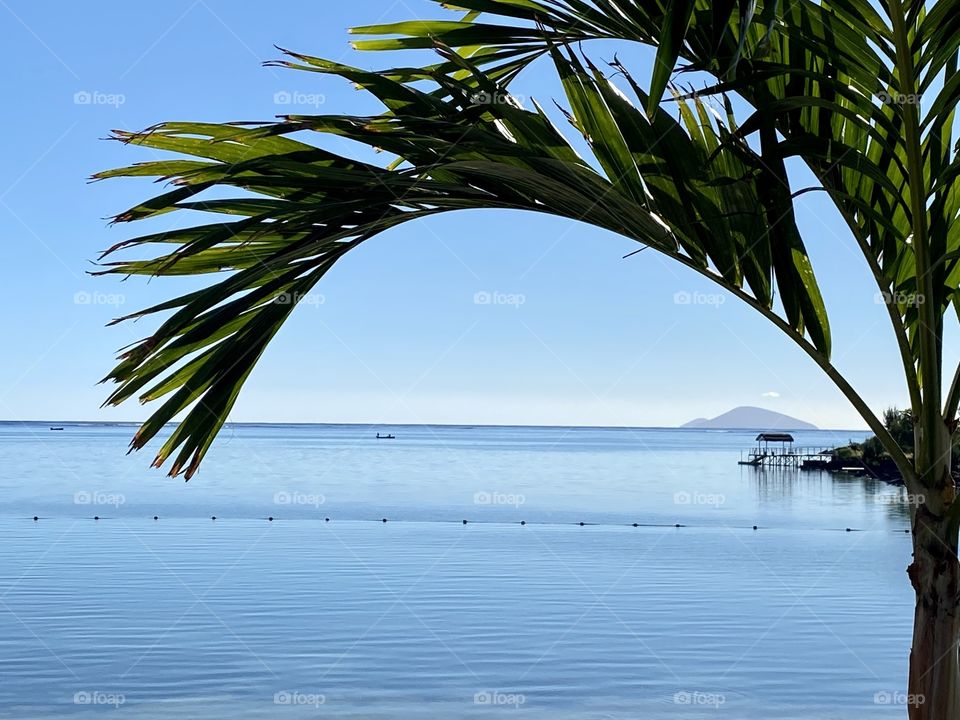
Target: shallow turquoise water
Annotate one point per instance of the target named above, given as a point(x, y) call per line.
point(298, 617)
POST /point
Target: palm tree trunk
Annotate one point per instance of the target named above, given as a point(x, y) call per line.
point(934, 688)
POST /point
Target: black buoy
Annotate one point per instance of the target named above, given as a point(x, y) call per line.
point(384, 520)
point(677, 525)
point(754, 527)
point(155, 517)
point(522, 522)
point(464, 522)
point(581, 524)
point(270, 518)
point(906, 531)
point(326, 519)
point(35, 518)
point(635, 525)
point(848, 530)
point(213, 517)
point(96, 517)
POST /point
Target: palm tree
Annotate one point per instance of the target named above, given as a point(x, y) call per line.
point(862, 92)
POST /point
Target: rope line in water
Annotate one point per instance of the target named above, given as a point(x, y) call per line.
point(271, 518)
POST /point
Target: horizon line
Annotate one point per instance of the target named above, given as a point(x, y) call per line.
point(444, 424)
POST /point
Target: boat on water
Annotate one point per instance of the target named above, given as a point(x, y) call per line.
point(56, 428)
point(386, 437)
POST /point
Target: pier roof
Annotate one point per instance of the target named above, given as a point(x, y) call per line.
point(774, 437)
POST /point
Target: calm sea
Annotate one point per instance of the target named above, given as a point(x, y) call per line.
point(327, 611)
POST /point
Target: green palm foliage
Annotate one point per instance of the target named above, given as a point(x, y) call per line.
point(833, 84)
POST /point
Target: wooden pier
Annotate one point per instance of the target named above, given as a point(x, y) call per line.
point(806, 457)
point(778, 450)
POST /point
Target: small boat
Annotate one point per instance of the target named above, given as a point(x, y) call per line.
point(56, 428)
point(386, 437)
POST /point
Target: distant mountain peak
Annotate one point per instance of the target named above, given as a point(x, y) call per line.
point(747, 417)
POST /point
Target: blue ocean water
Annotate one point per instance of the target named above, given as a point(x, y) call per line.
point(303, 616)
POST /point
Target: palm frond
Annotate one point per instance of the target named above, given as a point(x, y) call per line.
point(689, 188)
point(835, 85)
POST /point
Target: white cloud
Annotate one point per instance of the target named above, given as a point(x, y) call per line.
point(771, 394)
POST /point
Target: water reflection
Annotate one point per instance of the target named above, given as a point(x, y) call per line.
point(778, 485)
point(869, 502)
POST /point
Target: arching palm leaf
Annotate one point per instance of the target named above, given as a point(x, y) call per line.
point(689, 189)
point(827, 84)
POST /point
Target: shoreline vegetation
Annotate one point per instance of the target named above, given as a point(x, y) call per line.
point(870, 458)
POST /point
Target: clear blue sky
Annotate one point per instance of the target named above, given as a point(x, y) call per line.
point(398, 338)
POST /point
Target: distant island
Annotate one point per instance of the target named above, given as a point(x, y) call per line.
point(750, 418)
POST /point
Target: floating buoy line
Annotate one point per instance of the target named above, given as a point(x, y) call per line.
point(502, 523)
